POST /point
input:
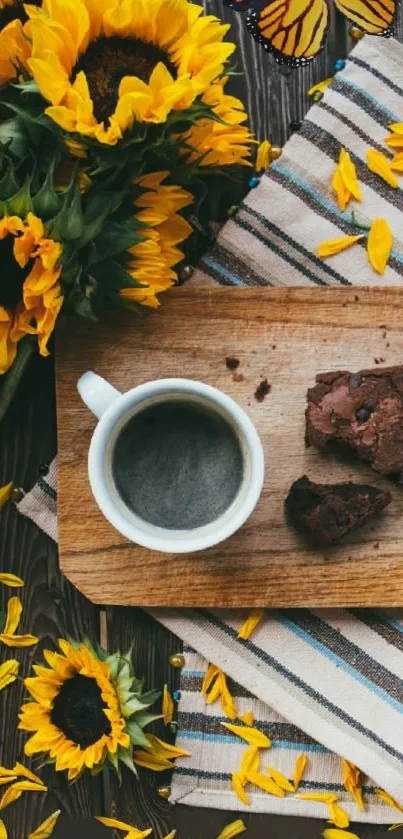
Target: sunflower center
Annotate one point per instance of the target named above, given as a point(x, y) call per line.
point(15, 12)
point(108, 60)
point(78, 711)
point(11, 275)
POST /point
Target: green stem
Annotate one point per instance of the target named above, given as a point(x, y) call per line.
point(11, 380)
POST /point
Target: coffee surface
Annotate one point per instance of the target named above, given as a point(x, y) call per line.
point(177, 465)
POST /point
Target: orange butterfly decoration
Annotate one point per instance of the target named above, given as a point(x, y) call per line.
point(295, 30)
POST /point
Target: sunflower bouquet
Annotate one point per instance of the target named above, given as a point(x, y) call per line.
point(114, 116)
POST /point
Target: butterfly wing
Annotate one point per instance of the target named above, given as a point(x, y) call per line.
point(293, 30)
point(376, 17)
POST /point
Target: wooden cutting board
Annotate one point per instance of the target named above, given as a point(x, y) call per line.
point(286, 336)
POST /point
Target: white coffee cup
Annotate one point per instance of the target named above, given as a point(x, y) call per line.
point(115, 409)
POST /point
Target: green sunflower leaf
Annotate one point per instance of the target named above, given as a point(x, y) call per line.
point(46, 201)
point(132, 706)
point(8, 184)
point(126, 757)
point(112, 276)
point(136, 734)
point(143, 719)
point(117, 237)
point(69, 223)
point(20, 204)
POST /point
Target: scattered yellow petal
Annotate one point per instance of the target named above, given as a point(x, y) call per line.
point(227, 701)
point(46, 828)
point(348, 173)
point(8, 672)
point(338, 816)
point(396, 164)
point(250, 624)
point(392, 827)
point(211, 673)
point(5, 493)
point(335, 833)
point(280, 779)
point(232, 830)
point(343, 194)
point(379, 244)
point(300, 766)
point(3, 831)
point(248, 718)
point(396, 127)
point(215, 691)
point(14, 612)
point(333, 246)
point(395, 141)
point(18, 640)
point(251, 735)
point(352, 782)
point(14, 792)
point(168, 706)
point(4, 781)
point(320, 87)
point(384, 796)
point(263, 157)
point(134, 832)
point(160, 748)
point(22, 771)
point(265, 783)
point(327, 797)
point(237, 784)
point(170, 835)
point(149, 761)
point(250, 762)
point(6, 773)
point(11, 581)
point(380, 165)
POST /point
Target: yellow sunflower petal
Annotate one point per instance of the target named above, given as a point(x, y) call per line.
point(327, 797)
point(5, 493)
point(299, 769)
point(214, 692)
point(231, 830)
point(380, 165)
point(22, 771)
point(342, 192)
point(384, 796)
point(263, 156)
point(168, 705)
point(3, 831)
point(248, 718)
point(227, 701)
point(8, 672)
point(6, 773)
point(14, 612)
point(396, 127)
point(250, 762)
point(162, 749)
point(335, 833)
point(320, 87)
point(251, 735)
point(348, 173)
point(11, 580)
point(46, 828)
point(265, 783)
point(352, 782)
point(14, 792)
point(338, 816)
point(19, 640)
point(379, 244)
point(238, 787)
point(333, 246)
point(250, 624)
point(395, 826)
point(396, 164)
point(280, 779)
point(211, 673)
point(137, 834)
point(170, 835)
point(395, 141)
point(5, 781)
point(150, 761)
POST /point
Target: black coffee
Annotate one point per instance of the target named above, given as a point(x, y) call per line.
point(177, 465)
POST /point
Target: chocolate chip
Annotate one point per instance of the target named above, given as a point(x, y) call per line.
point(232, 363)
point(363, 414)
point(355, 380)
point(262, 390)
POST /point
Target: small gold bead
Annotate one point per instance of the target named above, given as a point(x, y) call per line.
point(356, 33)
point(164, 792)
point(17, 494)
point(275, 152)
point(177, 660)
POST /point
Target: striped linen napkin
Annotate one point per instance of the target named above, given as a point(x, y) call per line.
point(321, 683)
point(325, 683)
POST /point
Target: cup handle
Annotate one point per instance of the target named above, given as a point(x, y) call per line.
point(97, 393)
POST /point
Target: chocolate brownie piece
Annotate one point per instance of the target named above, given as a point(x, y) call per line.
point(327, 512)
point(363, 411)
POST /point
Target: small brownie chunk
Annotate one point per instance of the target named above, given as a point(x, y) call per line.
point(327, 512)
point(362, 411)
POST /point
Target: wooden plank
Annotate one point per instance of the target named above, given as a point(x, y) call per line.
point(287, 336)
point(52, 607)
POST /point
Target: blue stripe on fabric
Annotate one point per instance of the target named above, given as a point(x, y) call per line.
point(322, 201)
point(377, 104)
point(234, 741)
point(340, 662)
point(207, 260)
point(194, 674)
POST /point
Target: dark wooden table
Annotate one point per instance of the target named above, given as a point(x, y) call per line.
point(53, 608)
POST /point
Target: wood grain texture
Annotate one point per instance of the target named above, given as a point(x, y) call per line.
point(287, 336)
point(52, 607)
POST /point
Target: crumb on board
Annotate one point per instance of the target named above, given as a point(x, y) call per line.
point(238, 377)
point(231, 362)
point(379, 360)
point(262, 390)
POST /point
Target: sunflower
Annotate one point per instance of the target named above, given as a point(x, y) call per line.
point(14, 46)
point(30, 294)
point(87, 709)
point(222, 141)
point(104, 65)
point(152, 259)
